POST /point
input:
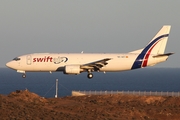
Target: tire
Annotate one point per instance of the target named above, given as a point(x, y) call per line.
point(90, 75)
point(24, 76)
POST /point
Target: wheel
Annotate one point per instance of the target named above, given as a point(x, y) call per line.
point(24, 75)
point(90, 75)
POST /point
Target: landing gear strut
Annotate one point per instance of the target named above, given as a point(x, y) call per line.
point(90, 75)
point(24, 75)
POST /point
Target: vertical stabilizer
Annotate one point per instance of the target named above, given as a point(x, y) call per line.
point(158, 43)
point(155, 47)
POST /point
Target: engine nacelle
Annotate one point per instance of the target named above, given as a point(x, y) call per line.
point(72, 69)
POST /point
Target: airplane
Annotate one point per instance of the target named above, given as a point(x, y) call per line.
point(76, 63)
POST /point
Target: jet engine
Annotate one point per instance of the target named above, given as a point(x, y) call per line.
point(72, 69)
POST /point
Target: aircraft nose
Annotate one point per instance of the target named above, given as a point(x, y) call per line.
point(9, 64)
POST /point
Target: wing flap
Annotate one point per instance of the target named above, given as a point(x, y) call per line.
point(96, 65)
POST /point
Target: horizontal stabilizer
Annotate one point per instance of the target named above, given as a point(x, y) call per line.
point(161, 55)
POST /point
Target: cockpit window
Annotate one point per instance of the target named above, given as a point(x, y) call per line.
point(17, 59)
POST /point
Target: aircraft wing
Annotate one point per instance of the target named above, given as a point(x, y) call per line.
point(96, 65)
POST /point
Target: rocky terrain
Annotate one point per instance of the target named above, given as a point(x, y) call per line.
point(25, 105)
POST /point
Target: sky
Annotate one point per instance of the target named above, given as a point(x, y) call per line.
point(92, 26)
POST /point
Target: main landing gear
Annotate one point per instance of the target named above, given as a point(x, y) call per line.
point(90, 75)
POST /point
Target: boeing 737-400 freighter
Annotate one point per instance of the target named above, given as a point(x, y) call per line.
point(76, 63)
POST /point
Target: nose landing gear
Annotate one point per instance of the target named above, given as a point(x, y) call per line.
point(22, 72)
point(23, 75)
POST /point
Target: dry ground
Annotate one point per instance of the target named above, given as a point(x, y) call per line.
point(24, 105)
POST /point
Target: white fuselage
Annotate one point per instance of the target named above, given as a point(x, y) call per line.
point(52, 62)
